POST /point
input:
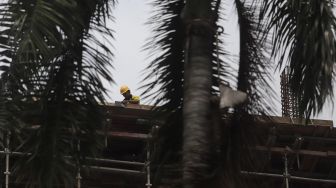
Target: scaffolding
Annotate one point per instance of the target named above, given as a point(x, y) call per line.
point(287, 142)
point(102, 165)
point(286, 176)
point(306, 153)
point(145, 165)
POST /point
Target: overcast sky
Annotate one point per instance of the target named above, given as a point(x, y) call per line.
point(131, 32)
point(130, 60)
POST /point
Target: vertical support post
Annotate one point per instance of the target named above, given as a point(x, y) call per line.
point(298, 160)
point(106, 124)
point(148, 153)
point(78, 177)
point(286, 174)
point(7, 151)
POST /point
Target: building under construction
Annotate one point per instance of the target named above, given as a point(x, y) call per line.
point(294, 155)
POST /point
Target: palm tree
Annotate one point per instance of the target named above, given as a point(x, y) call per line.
point(186, 68)
point(49, 60)
point(52, 59)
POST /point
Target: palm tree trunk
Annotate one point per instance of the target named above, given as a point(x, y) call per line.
point(197, 86)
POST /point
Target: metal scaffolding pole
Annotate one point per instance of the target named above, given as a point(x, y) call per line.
point(78, 177)
point(116, 170)
point(87, 158)
point(116, 161)
point(289, 176)
point(148, 175)
point(7, 151)
point(286, 174)
point(14, 153)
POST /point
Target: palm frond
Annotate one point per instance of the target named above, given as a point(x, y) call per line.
point(56, 65)
point(166, 46)
point(10, 121)
point(168, 65)
point(305, 31)
point(254, 65)
point(236, 137)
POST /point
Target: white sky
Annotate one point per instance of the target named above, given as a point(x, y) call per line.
point(130, 36)
point(131, 32)
point(130, 60)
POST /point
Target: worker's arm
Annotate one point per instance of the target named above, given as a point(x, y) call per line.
point(135, 100)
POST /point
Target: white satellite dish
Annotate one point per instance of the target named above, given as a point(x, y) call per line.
point(230, 97)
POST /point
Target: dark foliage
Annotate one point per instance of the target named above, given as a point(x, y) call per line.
point(304, 35)
point(53, 65)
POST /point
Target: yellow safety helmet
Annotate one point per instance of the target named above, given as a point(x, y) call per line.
point(124, 89)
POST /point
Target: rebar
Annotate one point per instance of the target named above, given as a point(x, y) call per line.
point(288, 101)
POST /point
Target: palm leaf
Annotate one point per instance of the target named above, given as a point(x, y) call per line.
point(254, 66)
point(166, 46)
point(56, 66)
point(305, 30)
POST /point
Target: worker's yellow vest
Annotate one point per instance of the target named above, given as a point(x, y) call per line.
point(135, 99)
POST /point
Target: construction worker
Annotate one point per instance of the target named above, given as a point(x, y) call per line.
point(129, 98)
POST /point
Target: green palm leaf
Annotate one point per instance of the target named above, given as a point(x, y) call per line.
point(166, 46)
point(56, 64)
